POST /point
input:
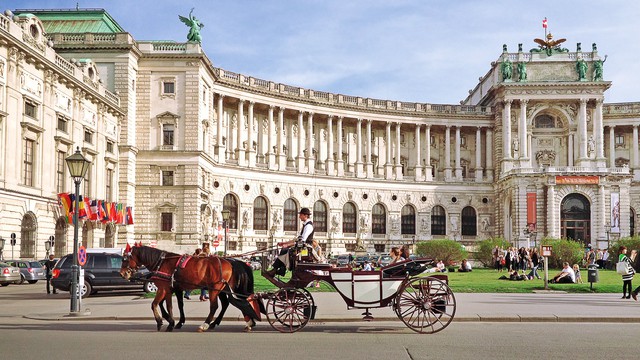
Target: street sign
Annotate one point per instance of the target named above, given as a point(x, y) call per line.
point(216, 242)
point(82, 256)
point(13, 240)
point(546, 250)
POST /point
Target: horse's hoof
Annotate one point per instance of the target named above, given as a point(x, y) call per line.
point(169, 329)
point(201, 329)
point(178, 326)
point(159, 327)
point(246, 329)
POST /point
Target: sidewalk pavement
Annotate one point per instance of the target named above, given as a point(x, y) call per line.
point(476, 307)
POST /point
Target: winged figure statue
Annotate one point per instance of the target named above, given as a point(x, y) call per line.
point(549, 44)
point(194, 27)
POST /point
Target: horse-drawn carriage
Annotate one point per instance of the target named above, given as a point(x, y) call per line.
point(425, 304)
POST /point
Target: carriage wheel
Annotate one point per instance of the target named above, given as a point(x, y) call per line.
point(289, 309)
point(426, 305)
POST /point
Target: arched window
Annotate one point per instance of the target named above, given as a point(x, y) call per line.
point(230, 203)
point(28, 231)
point(260, 214)
point(438, 221)
point(349, 215)
point(290, 216)
point(469, 221)
point(320, 216)
point(60, 247)
point(378, 219)
point(87, 234)
point(408, 220)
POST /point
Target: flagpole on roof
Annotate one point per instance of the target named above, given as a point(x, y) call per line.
point(544, 25)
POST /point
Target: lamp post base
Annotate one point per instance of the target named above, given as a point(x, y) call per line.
point(85, 312)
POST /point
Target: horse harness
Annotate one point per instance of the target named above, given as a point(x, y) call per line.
point(182, 262)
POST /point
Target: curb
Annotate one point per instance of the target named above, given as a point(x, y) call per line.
point(502, 319)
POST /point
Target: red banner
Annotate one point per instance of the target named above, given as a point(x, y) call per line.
point(577, 180)
point(532, 214)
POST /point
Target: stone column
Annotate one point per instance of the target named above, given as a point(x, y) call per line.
point(388, 167)
point(634, 143)
point(290, 154)
point(418, 168)
point(282, 160)
point(359, 166)
point(398, 153)
point(250, 149)
point(240, 150)
point(506, 130)
point(582, 132)
point(457, 155)
point(522, 132)
point(220, 148)
point(330, 160)
point(552, 228)
point(369, 141)
point(598, 130)
point(300, 158)
point(339, 160)
point(447, 153)
point(612, 147)
point(311, 158)
point(271, 157)
point(427, 155)
point(489, 155)
point(600, 225)
point(479, 175)
point(570, 150)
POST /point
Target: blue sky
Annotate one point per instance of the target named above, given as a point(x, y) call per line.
point(407, 50)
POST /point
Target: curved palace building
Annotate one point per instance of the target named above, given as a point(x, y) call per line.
point(532, 152)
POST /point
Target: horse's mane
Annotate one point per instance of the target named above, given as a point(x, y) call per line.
point(150, 256)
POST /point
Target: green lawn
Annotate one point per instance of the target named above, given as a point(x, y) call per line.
point(486, 281)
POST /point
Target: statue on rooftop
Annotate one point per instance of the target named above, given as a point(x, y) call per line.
point(507, 69)
point(194, 27)
point(581, 67)
point(598, 68)
point(522, 71)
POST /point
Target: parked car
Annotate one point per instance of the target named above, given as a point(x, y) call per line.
point(384, 260)
point(9, 274)
point(30, 270)
point(360, 259)
point(343, 260)
point(375, 260)
point(101, 273)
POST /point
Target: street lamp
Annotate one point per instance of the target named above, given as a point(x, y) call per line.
point(48, 244)
point(78, 167)
point(607, 226)
point(225, 219)
point(1, 248)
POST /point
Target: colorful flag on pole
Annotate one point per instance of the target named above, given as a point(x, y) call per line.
point(94, 210)
point(129, 220)
point(113, 216)
point(544, 23)
point(102, 211)
point(82, 212)
point(65, 201)
point(87, 207)
point(120, 213)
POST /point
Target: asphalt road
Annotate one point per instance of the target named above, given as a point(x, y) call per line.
point(25, 338)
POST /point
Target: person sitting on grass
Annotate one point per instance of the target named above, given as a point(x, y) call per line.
point(514, 276)
point(464, 266)
point(566, 276)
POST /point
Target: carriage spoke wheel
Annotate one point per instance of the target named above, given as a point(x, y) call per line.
point(289, 310)
point(426, 305)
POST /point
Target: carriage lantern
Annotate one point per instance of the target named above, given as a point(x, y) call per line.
point(78, 166)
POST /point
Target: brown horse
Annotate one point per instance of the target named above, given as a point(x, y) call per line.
point(172, 271)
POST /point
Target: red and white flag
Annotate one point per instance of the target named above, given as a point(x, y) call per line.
point(544, 23)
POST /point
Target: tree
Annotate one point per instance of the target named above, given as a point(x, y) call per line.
point(449, 251)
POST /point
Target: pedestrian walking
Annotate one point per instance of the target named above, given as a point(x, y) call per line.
point(49, 265)
point(627, 278)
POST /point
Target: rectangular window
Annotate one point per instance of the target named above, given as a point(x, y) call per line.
point(88, 137)
point(167, 178)
point(60, 165)
point(29, 147)
point(110, 147)
point(62, 124)
point(168, 87)
point(619, 140)
point(166, 221)
point(167, 134)
point(87, 182)
point(30, 109)
point(108, 186)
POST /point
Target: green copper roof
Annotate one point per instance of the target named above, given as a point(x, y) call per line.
point(75, 20)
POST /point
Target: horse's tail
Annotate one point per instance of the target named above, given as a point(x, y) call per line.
point(243, 275)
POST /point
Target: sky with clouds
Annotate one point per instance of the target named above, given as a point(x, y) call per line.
point(407, 50)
